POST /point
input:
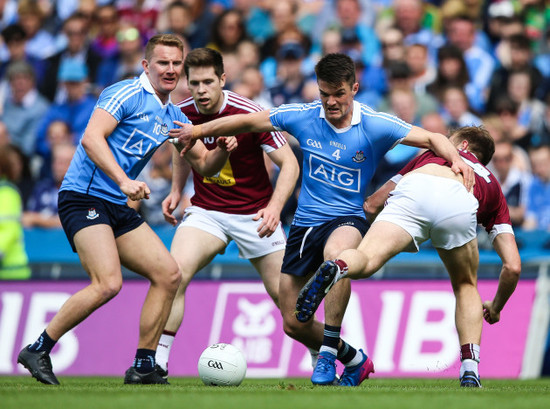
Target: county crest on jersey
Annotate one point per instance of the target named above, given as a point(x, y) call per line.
point(338, 164)
point(143, 125)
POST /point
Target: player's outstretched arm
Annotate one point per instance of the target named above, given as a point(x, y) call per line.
point(285, 159)
point(229, 125)
point(507, 249)
point(94, 141)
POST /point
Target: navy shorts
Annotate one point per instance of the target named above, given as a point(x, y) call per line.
point(77, 211)
point(305, 245)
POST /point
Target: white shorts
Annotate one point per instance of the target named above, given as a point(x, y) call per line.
point(432, 207)
point(238, 227)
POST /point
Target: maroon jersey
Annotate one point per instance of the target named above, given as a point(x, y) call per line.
point(243, 185)
point(492, 212)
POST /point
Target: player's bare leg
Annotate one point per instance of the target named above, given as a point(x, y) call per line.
point(192, 249)
point(159, 267)
point(106, 281)
point(462, 263)
point(269, 268)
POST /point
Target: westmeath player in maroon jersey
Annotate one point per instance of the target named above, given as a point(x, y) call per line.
point(429, 201)
point(239, 203)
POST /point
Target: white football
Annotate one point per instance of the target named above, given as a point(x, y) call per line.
point(222, 365)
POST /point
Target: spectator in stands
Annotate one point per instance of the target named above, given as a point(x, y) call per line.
point(290, 79)
point(106, 20)
point(399, 76)
point(130, 46)
point(521, 59)
point(58, 133)
point(423, 71)
point(411, 18)
point(542, 130)
point(538, 202)
point(434, 122)
point(513, 181)
point(228, 30)
point(283, 18)
point(521, 90)
point(452, 70)
point(41, 209)
point(5, 137)
point(141, 14)
point(461, 32)
point(348, 19)
point(76, 109)
point(253, 79)
point(456, 110)
point(508, 113)
point(40, 43)
point(75, 29)
point(177, 19)
point(24, 108)
point(15, 40)
point(13, 258)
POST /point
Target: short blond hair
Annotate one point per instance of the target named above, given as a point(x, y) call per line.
point(170, 40)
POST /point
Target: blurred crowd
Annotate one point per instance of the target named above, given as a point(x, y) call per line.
point(438, 64)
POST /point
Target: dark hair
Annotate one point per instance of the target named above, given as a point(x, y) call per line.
point(506, 104)
point(216, 37)
point(170, 40)
point(480, 142)
point(7, 170)
point(204, 57)
point(336, 69)
point(13, 32)
point(520, 41)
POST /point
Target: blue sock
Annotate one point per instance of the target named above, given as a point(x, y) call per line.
point(43, 343)
point(144, 362)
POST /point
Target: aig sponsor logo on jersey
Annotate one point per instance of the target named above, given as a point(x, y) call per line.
point(139, 144)
point(335, 175)
point(315, 144)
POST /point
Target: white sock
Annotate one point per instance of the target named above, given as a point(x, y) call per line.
point(469, 365)
point(163, 350)
point(356, 359)
point(330, 350)
point(314, 356)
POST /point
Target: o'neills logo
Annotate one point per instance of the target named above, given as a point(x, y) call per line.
point(215, 364)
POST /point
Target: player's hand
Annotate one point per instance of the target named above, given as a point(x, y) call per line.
point(184, 134)
point(270, 221)
point(135, 189)
point(489, 313)
point(467, 172)
point(169, 204)
point(227, 143)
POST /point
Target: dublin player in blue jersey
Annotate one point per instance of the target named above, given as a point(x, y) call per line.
point(342, 142)
point(131, 120)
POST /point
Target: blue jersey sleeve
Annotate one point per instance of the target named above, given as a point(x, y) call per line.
point(120, 99)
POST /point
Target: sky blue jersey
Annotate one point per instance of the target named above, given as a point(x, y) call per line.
point(338, 163)
point(143, 125)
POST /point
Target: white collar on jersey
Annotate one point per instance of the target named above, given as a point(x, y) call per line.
point(144, 79)
point(355, 118)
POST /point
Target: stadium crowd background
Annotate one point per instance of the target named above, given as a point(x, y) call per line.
point(437, 64)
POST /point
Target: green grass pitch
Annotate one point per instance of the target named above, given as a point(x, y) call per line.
point(23, 392)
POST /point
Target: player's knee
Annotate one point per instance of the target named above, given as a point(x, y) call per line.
point(294, 328)
point(108, 289)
